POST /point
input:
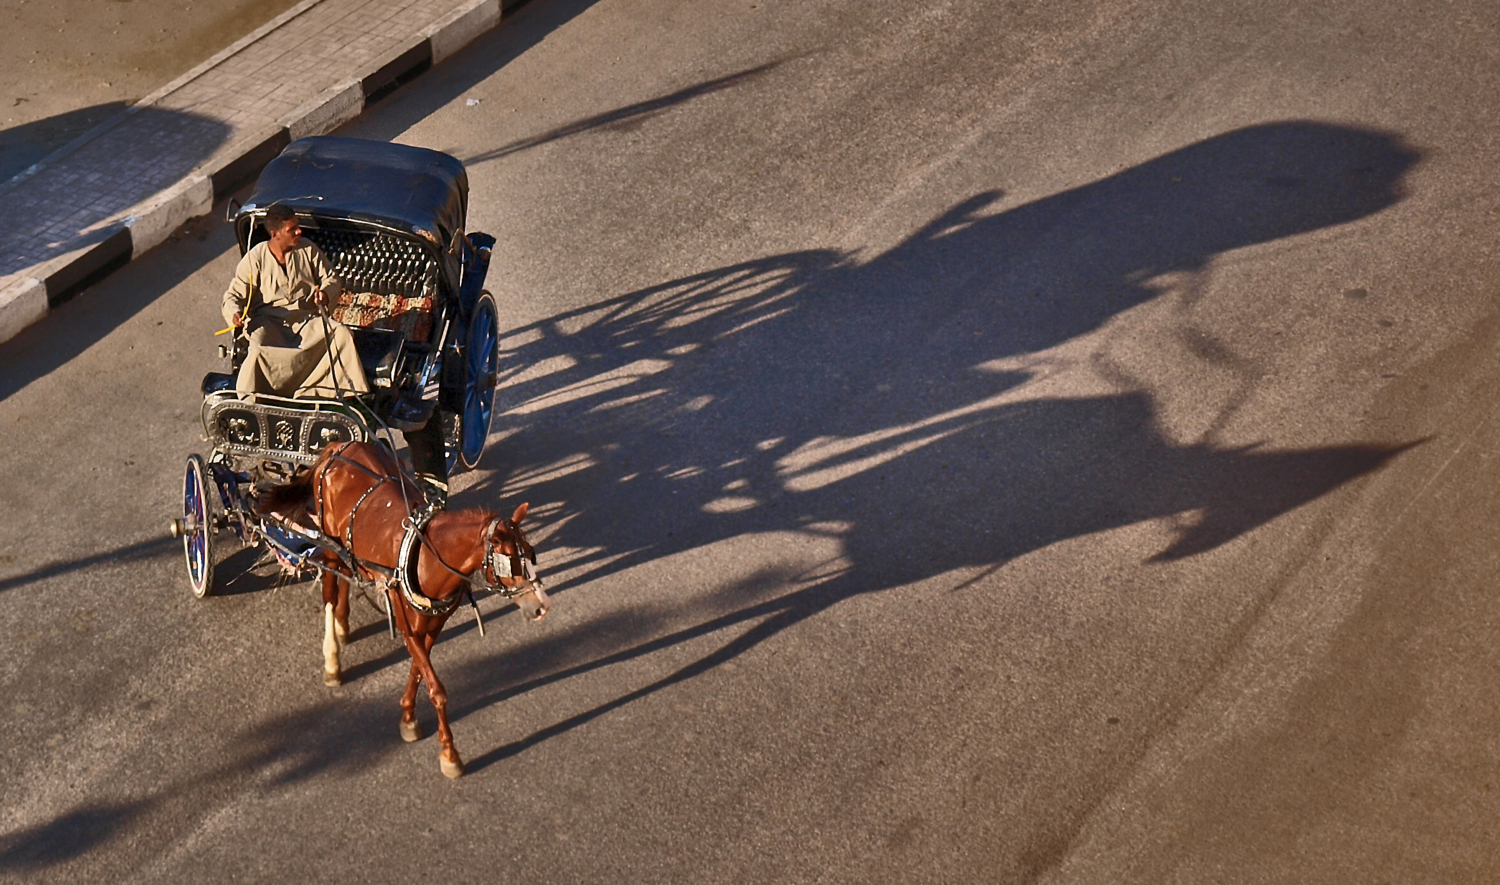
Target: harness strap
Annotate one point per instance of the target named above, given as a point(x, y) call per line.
point(406, 578)
point(349, 527)
point(318, 483)
point(339, 456)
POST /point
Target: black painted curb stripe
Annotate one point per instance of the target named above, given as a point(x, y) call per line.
point(395, 74)
point(93, 265)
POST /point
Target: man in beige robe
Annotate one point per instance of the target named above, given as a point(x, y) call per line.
point(278, 298)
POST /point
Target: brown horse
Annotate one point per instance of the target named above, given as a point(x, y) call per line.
point(426, 563)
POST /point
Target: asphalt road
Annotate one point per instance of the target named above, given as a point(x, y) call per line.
point(983, 442)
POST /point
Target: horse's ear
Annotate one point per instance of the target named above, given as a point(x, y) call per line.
point(520, 513)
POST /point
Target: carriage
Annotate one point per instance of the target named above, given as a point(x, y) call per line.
point(391, 220)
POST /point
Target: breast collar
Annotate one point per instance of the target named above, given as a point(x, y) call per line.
point(406, 567)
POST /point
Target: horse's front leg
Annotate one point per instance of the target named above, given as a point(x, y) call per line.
point(420, 647)
point(410, 729)
point(333, 636)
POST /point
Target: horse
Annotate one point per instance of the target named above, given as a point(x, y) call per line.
point(426, 561)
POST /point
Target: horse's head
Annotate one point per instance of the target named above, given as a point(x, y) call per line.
point(510, 565)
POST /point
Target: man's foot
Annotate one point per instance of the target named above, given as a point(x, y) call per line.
point(435, 489)
point(409, 413)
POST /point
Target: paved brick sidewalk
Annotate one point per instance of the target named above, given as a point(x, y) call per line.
point(124, 187)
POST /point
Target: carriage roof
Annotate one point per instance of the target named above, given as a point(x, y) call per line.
point(410, 189)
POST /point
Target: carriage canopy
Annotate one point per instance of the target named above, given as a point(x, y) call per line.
point(409, 189)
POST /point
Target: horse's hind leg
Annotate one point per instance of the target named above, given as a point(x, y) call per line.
point(341, 613)
point(332, 638)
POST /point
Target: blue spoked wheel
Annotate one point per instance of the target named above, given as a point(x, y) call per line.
point(481, 362)
point(197, 528)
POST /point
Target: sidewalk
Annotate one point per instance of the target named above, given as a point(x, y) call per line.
point(123, 187)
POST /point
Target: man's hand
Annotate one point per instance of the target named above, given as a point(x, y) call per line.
point(320, 299)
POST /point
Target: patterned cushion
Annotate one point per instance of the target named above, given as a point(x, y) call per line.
point(389, 282)
point(411, 316)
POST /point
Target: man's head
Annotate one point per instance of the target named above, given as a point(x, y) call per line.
point(281, 224)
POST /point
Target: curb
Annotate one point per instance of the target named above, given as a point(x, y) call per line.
point(91, 257)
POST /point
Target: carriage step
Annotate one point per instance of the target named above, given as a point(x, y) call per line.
point(214, 382)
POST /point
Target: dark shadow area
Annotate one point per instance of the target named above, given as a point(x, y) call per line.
point(138, 552)
point(245, 570)
point(66, 837)
point(178, 142)
point(331, 736)
point(810, 390)
point(24, 145)
point(630, 115)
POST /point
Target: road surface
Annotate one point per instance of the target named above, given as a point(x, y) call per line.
point(970, 442)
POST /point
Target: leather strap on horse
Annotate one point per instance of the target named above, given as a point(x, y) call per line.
point(406, 568)
point(318, 480)
point(349, 527)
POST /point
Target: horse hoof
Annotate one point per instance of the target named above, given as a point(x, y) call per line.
point(411, 731)
point(451, 770)
point(333, 678)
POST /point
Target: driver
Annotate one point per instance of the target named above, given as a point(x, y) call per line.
point(278, 298)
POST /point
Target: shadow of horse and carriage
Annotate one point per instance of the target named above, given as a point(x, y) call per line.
point(884, 400)
point(873, 400)
point(825, 392)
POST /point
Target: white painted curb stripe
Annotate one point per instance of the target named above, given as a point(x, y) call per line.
point(459, 29)
point(21, 304)
point(328, 111)
point(152, 222)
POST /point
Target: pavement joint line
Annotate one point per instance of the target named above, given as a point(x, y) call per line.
point(108, 230)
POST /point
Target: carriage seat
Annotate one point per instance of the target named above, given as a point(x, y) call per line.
point(389, 283)
point(390, 288)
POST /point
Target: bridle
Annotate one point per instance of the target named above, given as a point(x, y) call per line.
point(495, 565)
point(498, 564)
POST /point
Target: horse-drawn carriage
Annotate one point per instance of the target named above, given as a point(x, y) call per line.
point(391, 221)
point(390, 218)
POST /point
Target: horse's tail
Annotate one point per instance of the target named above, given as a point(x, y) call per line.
point(287, 497)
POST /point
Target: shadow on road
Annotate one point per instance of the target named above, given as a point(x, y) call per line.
point(66, 837)
point(287, 749)
point(139, 552)
point(628, 116)
point(880, 402)
point(884, 401)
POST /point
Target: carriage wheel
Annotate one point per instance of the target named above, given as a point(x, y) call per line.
point(481, 362)
point(197, 528)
